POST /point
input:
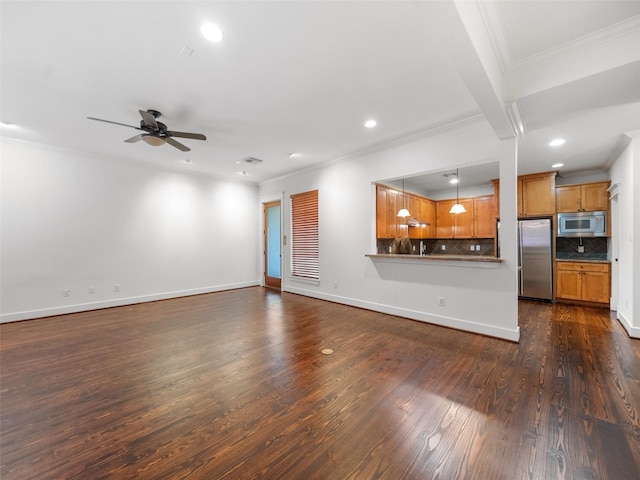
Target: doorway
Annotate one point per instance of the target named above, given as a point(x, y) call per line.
point(272, 245)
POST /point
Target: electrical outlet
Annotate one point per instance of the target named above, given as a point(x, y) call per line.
point(472, 248)
point(66, 292)
point(580, 248)
point(444, 247)
point(477, 248)
point(116, 288)
point(92, 289)
point(335, 284)
point(441, 301)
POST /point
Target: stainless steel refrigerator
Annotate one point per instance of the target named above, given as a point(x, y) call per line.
point(535, 259)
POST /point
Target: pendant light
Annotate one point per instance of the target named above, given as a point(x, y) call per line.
point(403, 211)
point(458, 207)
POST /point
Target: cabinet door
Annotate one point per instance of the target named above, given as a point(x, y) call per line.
point(445, 221)
point(595, 287)
point(569, 284)
point(430, 217)
point(394, 203)
point(539, 195)
point(568, 198)
point(381, 212)
point(595, 196)
point(484, 218)
point(464, 221)
point(496, 196)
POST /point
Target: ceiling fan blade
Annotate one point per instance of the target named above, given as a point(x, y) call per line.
point(194, 136)
point(115, 123)
point(149, 120)
point(176, 144)
point(135, 139)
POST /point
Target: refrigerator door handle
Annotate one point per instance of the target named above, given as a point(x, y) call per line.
point(520, 276)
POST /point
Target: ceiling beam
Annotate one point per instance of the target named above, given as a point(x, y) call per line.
point(459, 29)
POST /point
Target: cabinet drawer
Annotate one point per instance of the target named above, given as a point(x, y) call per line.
point(583, 267)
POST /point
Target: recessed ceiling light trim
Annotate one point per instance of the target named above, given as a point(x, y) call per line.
point(370, 123)
point(211, 32)
point(556, 142)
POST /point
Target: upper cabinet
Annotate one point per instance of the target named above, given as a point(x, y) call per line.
point(479, 220)
point(586, 197)
point(431, 219)
point(537, 194)
point(421, 223)
point(484, 216)
point(424, 210)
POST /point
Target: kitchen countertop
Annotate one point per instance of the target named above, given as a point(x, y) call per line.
point(448, 258)
point(582, 260)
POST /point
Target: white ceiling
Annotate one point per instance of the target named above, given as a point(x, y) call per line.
point(303, 76)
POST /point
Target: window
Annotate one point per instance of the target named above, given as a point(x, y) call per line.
point(304, 235)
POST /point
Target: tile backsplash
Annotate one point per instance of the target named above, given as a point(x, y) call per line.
point(481, 246)
point(595, 248)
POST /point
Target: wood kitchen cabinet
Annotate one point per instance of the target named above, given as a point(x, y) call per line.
point(537, 194)
point(386, 201)
point(484, 217)
point(381, 212)
point(583, 282)
point(478, 222)
point(388, 225)
point(445, 221)
point(424, 210)
point(585, 197)
point(451, 225)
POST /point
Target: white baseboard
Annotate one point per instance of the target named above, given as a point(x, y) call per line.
point(633, 332)
point(458, 324)
point(119, 302)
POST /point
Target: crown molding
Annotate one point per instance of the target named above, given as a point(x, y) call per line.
point(605, 35)
point(516, 119)
point(492, 21)
point(493, 25)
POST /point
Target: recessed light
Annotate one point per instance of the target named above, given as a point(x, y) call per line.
point(557, 142)
point(557, 165)
point(187, 161)
point(454, 181)
point(370, 123)
point(211, 32)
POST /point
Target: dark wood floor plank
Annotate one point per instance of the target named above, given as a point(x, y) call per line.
point(234, 385)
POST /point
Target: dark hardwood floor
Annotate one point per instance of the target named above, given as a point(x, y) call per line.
point(233, 385)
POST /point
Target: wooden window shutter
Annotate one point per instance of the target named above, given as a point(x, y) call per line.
point(304, 235)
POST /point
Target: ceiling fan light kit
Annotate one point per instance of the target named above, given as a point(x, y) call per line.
point(157, 133)
point(153, 140)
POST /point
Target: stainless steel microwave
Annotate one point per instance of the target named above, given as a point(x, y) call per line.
point(582, 224)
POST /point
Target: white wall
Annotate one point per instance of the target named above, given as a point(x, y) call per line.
point(482, 300)
point(71, 221)
point(626, 226)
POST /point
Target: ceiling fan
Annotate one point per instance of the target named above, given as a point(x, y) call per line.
point(156, 133)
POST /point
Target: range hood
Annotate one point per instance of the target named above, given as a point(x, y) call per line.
point(414, 222)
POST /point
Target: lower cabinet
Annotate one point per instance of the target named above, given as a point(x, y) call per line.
point(585, 282)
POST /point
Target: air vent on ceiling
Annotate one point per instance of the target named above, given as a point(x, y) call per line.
point(252, 161)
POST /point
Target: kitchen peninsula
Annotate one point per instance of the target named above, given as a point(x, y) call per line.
point(452, 260)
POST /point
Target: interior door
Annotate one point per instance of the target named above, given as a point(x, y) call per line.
point(272, 245)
